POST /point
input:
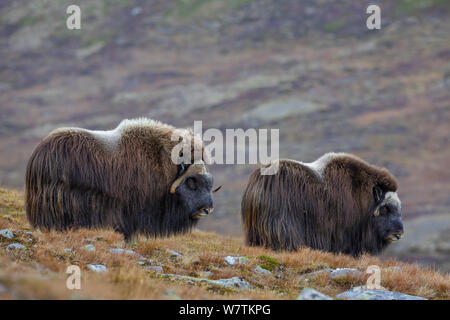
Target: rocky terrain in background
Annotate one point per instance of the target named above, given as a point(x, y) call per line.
point(309, 68)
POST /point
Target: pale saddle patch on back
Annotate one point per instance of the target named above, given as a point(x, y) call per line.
point(321, 163)
point(111, 138)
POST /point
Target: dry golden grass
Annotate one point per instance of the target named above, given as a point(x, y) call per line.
point(39, 271)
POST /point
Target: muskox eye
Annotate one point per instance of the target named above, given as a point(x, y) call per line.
point(191, 183)
point(377, 194)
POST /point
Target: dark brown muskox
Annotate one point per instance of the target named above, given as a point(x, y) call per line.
point(123, 178)
point(339, 203)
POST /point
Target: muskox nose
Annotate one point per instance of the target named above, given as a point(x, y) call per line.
point(398, 234)
point(208, 210)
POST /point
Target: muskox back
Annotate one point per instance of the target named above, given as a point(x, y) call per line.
point(119, 178)
point(324, 205)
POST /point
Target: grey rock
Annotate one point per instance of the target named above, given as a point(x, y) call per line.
point(234, 282)
point(126, 251)
point(6, 233)
point(262, 270)
point(153, 268)
point(120, 250)
point(343, 272)
point(68, 250)
point(332, 273)
point(89, 247)
point(315, 273)
point(97, 267)
point(16, 246)
point(236, 260)
point(174, 253)
point(145, 261)
point(362, 293)
point(311, 294)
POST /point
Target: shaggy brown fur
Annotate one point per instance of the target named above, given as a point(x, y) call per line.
point(120, 179)
point(330, 209)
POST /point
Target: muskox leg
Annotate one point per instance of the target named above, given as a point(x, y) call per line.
point(60, 207)
point(128, 236)
point(47, 209)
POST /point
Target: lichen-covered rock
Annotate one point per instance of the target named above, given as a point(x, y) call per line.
point(311, 294)
point(6, 233)
point(236, 260)
point(332, 273)
point(234, 282)
point(339, 272)
point(261, 270)
point(16, 246)
point(174, 253)
point(362, 293)
point(153, 268)
point(126, 251)
point(308, 275)
point(97, 267)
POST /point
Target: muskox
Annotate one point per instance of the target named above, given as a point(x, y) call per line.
point(339, 204)
point(123, 178)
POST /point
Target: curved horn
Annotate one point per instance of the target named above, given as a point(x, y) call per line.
point(195, 168)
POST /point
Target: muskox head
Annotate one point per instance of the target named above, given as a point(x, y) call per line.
point(193, 190)
point(387, 215)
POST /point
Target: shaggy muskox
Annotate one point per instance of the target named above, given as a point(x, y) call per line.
point(124, 178)
point(339, 203)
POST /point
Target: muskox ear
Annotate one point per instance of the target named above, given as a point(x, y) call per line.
point(377, 194)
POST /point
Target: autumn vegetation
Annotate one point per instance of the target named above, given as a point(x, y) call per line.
point(39, 270)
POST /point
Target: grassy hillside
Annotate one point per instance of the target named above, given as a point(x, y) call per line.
point(38, 269)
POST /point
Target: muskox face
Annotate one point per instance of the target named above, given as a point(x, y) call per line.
point(194, 195)
point(387, 215)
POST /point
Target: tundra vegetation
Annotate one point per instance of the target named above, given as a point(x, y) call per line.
point(38, 269)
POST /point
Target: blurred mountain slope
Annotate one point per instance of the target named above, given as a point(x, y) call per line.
point(309, 68)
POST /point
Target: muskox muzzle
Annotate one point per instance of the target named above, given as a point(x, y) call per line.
point(194, 192)
point(389, 219)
